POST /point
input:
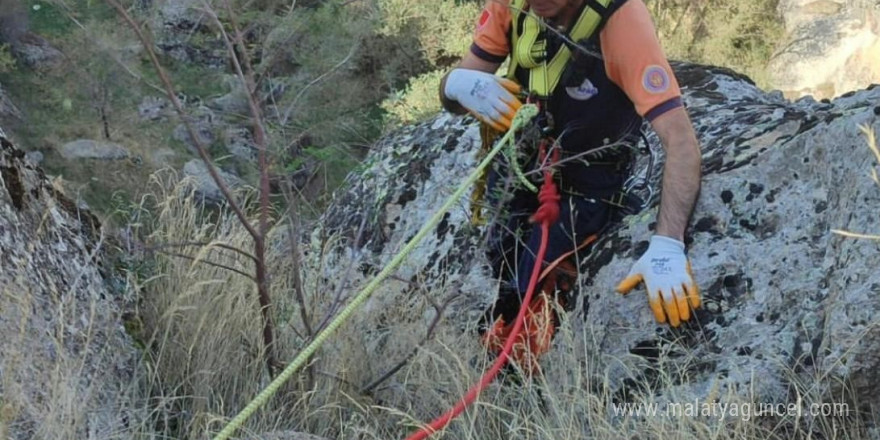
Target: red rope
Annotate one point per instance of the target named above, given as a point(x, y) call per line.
point(547, 213)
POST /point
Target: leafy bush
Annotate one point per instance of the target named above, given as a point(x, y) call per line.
point(728, 33)
point(442, 28)
point(7, 62)
point(417, 102)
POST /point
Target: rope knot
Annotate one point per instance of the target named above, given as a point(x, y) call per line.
point(548, 197)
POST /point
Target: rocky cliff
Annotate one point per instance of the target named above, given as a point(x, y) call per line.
point(786, 300)
point(830, 47)
point(66, 363)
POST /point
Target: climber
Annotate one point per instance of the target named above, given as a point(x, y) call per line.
point(596, 69)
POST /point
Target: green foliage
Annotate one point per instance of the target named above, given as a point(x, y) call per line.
point(92, 93)
point(7, 62)
point(331, 99)
point(442, 28)
point(728, 33)
point(55, 18)
point(189, 79)
point(341, 62)
point(48, 19)
point(417, 102)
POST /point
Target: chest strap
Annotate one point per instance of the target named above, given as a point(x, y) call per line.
point(529, 43)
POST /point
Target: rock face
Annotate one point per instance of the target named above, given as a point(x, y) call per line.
point(832, 47)
point(8, 110)
point(153, 108)
point(36, 52)
point(65, 360)
point(203, 123)
point(240, 143)
point(204, 185)
point(786, 300)
point(175, 24)
point(90, 149)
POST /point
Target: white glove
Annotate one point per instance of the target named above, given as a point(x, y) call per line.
point(667, 274)
point(487, 96)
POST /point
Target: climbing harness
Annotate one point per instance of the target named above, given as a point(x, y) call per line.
point(531, 49)
point(530, 45)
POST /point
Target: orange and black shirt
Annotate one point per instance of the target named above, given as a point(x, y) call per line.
point(599, 99)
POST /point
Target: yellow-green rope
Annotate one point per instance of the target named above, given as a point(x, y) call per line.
point(523, 116)
point(513, 160)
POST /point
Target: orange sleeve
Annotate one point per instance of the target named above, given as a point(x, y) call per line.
point(490, 36)
point(635, 61)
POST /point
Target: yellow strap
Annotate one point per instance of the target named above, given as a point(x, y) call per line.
point(488, 135)
point(529, 51)
point(516, 7)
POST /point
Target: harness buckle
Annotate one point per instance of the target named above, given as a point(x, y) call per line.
point(544, 120)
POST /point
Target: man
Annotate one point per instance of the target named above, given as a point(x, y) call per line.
point(594, 99)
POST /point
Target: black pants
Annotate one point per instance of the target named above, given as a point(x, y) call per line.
point(514, 242)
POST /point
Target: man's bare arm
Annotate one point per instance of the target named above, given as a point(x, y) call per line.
point(472, 62)
point(681, 173)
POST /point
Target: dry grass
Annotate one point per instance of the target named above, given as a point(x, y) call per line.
point(64, 363)
point(204, 362)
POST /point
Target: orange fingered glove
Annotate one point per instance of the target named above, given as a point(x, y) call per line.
point(490, 98)
point(669, 280)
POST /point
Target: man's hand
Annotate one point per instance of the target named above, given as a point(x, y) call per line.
point(667, 274)
point(488, 97)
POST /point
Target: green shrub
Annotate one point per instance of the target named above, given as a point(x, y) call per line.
point(417, 102)
point(7, 62)
point(728, 33)
point(442, 28)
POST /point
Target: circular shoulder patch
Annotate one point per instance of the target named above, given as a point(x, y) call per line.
point(655, 79)
point(484, 18)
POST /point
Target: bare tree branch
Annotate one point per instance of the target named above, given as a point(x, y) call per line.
point(340, 288)
point(159, 247)
point(178, 107)
point(320, 78)
point(440, 309)
point(209, 263)
point(245, 75)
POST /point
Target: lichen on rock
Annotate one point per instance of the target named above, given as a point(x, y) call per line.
point(785, 299)
point(65, 360)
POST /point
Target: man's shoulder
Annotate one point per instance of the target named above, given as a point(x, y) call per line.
point(491, 34)
point(500, 7)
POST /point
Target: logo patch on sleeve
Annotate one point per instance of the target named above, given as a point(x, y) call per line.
point(484, 18)
point(655, 79)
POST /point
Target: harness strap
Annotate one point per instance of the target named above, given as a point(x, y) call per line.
point(488, 136)
point(529, 43)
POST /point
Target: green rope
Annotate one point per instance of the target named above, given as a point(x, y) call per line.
point(513, 160)
point(523, 116)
